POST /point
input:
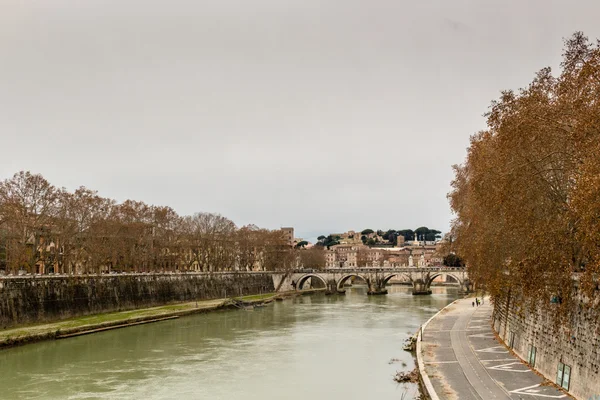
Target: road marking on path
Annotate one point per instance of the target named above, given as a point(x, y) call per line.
point(495, 349)
point(458, 330)
point(483, 335)
point(512, 367)
point(441, 362)
point(536, 392)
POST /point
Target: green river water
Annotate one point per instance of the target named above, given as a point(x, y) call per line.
point(310, 347)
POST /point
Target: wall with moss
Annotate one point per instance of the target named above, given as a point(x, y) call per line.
point(31, 299)
point(576, 344)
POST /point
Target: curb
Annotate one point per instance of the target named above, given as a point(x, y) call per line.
point(111, 327)
point(427, 385)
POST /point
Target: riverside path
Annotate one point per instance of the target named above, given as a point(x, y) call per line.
point(464, 360)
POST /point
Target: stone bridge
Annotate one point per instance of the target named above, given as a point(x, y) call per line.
point(333, 279)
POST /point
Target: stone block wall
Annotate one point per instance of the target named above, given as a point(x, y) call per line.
point(577, 345)
point(32, 299)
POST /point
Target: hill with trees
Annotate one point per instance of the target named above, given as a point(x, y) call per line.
point(372, 237)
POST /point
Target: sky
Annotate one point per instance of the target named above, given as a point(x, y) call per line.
point(324, 115)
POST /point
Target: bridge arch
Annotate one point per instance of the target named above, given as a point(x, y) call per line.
point(432, 277)
point(340, 283)
point(400, 274)
point(304, 278)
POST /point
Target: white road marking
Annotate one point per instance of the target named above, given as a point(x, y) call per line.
point(536, 392)
point(457, 330)
point(483, 335)
point(495, 349)
point(510, 367)
point(441, 362)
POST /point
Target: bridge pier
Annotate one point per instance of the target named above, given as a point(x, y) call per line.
point(377, 291)
point(420, 287)
point(332, 288)
point(376, 286)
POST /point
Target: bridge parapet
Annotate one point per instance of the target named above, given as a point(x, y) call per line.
point(382, 269)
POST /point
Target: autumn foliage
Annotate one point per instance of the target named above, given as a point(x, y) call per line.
point(45, 229)
point(527, 198)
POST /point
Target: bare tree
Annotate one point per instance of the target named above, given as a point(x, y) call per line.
point(43, 229)
point(313, 258)
point(28, 205)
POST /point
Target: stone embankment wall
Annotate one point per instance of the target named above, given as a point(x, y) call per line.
point(577, 346)
point(31, 299)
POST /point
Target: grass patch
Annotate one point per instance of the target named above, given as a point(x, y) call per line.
point(111, 318)
point(255, 297)
point(102, 319)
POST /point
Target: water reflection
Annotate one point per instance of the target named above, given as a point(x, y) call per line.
point(312, 346)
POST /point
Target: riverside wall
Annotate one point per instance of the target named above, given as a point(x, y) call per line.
point(576, 345)
point(34, 299)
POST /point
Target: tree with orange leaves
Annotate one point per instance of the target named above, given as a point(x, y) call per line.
point(527, 198)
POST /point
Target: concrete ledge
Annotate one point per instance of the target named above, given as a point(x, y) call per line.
point(427, 385)
point(111, 327)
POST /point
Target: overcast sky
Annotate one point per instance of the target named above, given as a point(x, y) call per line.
point(322, 115)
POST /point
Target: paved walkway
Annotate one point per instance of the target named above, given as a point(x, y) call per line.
point(464, 360)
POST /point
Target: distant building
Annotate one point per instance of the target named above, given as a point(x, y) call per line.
point(360, 256)
point(288, 234)
point(351, 252)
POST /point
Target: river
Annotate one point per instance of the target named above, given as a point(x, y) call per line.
point(310, 347)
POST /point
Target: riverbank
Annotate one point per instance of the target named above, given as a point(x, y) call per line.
point(28, 300)
point(121, 319)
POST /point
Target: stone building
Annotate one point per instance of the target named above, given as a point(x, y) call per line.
point(359, 256)
point(288, 234)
